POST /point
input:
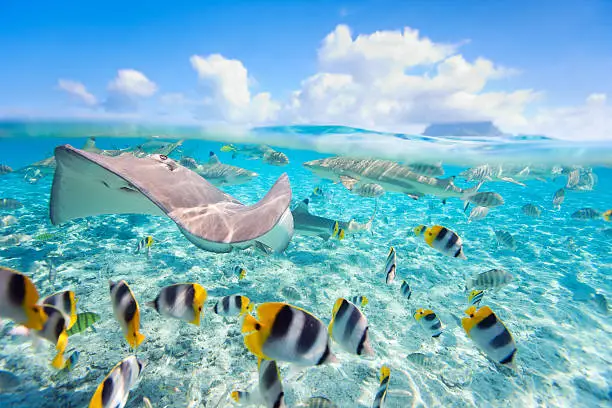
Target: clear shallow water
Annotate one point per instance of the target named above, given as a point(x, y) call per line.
point(563, 339)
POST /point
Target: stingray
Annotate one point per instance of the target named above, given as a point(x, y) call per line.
point(87, 184)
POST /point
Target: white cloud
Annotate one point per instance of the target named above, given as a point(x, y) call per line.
point(400, 80)
point(230, 97)
point(132, 83)
point(77, 90)
point(590, 121)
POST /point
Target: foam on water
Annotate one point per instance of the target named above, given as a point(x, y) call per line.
point(561, 336)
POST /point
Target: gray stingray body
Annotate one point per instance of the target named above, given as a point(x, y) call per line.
point(87, 184)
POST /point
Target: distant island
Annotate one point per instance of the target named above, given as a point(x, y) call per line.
point(463, 129)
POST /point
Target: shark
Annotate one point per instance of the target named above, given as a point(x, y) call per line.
point(48, 165)
point(256, 152)
point(87, 184)
point(306, 223)
point(391, 176)
point(217, 173)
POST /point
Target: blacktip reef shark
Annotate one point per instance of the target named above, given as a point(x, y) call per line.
point(219, 174)
point(391, 176)
point(306, 223)
point(165, 148)
point(255, 152)
point(87, 184)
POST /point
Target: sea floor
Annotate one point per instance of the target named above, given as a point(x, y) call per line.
point(564, 341)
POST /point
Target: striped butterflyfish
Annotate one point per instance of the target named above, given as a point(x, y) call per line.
point(429, 321)
point(64, 301)
point(233, 305)
point(381, 393)
point(126, 311)
point(19, 298)
point(183, 301)
point(390, 266)
point(287, 333)
point(444, 241)
point(490, 335)
point(114, 390)
point(349, 328)
point(406, 290)
point(54, 331)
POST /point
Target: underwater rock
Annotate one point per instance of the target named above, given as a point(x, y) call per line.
point(8, 381)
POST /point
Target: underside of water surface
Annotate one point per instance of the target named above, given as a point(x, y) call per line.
point(555, 306)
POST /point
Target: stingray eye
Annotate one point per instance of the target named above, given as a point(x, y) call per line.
point(163, 157)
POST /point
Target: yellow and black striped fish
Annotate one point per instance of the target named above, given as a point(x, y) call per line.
point(444, 241)
point(114, 390)
point(381, 394)
point(490, 335)
point(287, 333)
point(66, 302)
point(126, 311)
point(19, 298)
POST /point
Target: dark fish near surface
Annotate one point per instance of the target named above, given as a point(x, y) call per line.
point(532, 210)
point(4, 169)
point(586, 214)
point(9, 204)
point(558, 198)
point(506, 239)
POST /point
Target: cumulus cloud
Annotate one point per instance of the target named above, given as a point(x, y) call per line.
point(396, 80)
point(230, 96)
point(132, 83)
point(589, 121)
point(78, 91)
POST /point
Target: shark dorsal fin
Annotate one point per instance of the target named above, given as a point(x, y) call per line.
point(302, 206)
point(90, 144)
point(213, 158)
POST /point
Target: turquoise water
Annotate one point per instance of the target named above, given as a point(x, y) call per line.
point(562, 333)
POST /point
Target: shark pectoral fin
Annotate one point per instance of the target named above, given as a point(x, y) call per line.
point(348, 182)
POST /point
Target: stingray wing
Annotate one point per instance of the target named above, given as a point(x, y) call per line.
point(87, 184)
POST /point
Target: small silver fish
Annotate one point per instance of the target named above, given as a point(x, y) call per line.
point(586, 214)
point(370, 190)
point(9, 204)
point(320, 402)
point(478, 213)
point(504, 238)
point(493, 278)
point(573, 178)
point(531, 210)
point(558, 198)
point(485, 199)
point(52, 272)
point(4, 169)
point(421, 359)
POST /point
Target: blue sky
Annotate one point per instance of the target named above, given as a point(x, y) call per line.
point(561, 49)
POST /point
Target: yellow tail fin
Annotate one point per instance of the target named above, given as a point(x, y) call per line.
point(250, 324)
